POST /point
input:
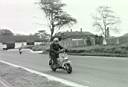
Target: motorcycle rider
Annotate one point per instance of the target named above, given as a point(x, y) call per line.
point(55, 48)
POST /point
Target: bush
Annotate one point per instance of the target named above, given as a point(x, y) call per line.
point(40, 47)
point(102, 50)
point(76, 51)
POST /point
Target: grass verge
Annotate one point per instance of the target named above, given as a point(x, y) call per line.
point(18, 77)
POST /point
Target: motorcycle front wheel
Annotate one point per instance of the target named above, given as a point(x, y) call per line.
point(68, 68)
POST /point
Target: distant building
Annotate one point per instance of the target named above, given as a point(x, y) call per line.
point(77, 38)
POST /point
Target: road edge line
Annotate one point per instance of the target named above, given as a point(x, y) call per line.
point(5, 83)
point(49, 77)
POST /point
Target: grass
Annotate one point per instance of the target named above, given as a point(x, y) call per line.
point(111, 50)
point(18, 77)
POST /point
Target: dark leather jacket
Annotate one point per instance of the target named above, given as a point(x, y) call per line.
point(54, 50)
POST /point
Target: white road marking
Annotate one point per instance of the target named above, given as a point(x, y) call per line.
point(4, 83)
point(50, 77)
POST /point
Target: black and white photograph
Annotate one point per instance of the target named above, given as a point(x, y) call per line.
point(63, 43)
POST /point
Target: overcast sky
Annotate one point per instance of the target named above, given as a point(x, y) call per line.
point(25, 17)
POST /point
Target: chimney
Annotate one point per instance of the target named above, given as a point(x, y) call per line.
point(81, 30)
point(71, 30)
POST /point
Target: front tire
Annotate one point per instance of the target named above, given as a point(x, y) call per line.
point(68, 68)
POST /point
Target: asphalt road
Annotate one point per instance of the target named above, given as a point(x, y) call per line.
point(90, 71)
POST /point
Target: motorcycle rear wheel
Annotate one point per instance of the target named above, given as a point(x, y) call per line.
point(53, 67)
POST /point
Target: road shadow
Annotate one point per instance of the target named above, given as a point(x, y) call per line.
point(58, 71)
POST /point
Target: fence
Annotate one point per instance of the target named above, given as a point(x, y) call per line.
point(68, 43)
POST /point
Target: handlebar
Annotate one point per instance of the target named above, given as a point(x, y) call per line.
point(63, 50)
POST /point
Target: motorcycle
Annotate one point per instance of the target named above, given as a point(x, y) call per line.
point(63, 62)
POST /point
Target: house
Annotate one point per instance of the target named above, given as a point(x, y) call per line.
point(77, 38)
point(118, 40)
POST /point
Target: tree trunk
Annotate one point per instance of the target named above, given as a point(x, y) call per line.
point(104, 41)
point(52, 32)
point(51, 36)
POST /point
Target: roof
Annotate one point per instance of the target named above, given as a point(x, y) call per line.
point(74, 35)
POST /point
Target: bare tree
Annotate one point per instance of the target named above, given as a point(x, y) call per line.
point(105, 21)
point(56, 16)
